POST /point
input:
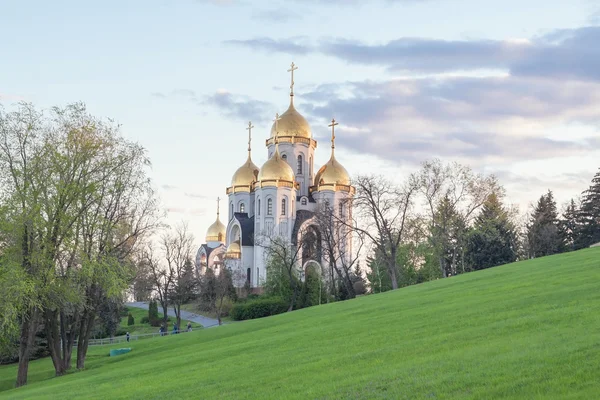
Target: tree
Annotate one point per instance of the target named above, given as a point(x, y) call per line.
point(337, 236)
point(452, 193)
point(385, 209)
point(492, 241)
point(544, 235)
point(589, 216)
point(283, 270)
point(215, 288)
point(570, 225)
point(177, 248)
point(153, 313)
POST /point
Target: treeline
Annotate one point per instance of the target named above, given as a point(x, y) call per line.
point(75, 202)
point(449, 220)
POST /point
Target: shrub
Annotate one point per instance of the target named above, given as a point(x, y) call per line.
point(130, 320)
point(359, 288)
point(258, 308)
point(145, 320)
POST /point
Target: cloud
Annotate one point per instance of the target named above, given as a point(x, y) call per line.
point(278, 15)
point(565, 54)
point(488, 119)
point(239, 106)
point(295, 45)
point(168, 187)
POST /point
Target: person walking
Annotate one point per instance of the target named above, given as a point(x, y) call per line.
point(127, 335)
point(189, 326)
point(174, 329)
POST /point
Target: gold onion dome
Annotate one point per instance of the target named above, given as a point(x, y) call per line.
point(247, 173)
point(276, 168)
point(233, 250)
point(332, 172)
point(216, 232)
point(292, 123)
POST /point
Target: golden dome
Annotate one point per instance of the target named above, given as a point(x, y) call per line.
point(245, 175)
point(291, 123)
point(276, 168)
point(216, 232)
point(332, 173)
point(233, 250)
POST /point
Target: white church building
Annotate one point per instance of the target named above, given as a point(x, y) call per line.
point(277, 199)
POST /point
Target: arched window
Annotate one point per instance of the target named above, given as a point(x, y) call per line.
point(284, 157)
point(270, 207)
point(303, 201)
point(300, 164)
point(242, 207)
point(258, 207)
point(341, 210)
point(310, 165)
point(248, 272)
point(283, 206)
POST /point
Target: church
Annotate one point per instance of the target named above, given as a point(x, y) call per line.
point(278, 199)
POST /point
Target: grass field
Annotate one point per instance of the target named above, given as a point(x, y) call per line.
point(528, 330)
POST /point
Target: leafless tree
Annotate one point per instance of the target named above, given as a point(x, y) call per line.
point(177, 247)
point(342, 241)
point(385, 209)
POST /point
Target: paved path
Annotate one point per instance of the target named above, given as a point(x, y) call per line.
point(185, 315)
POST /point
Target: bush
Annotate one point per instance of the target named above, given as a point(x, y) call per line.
point(145, 320)
point(359, 288)
point(258, 308)
point(130, 320)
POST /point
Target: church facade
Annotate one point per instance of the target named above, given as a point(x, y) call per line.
point(278, 199)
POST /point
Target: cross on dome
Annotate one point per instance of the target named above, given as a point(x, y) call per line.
point(293, 67)
point(218, 204)
point(332, 125)
point(249, 129)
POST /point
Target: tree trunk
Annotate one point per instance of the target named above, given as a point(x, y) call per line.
point(28, 331)
point(443, 267)
point(177, 309)
point(85, 331)
point(54, 345)
point(165, 308)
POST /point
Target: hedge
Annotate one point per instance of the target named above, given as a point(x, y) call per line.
point(258, 308)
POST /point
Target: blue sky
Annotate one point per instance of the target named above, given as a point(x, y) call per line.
point(511, 87)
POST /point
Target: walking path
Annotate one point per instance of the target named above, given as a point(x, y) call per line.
point(185, 315)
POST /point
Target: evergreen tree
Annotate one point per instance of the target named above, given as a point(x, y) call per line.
point(589, 216)
point(492, 241)
point(544, 235)
point(570, 225)
point(153, 313)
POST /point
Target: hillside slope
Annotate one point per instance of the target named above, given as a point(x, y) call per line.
point(525, 330)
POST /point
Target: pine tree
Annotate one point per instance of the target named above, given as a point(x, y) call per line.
point(570, 226)
point(589, 216)
point(544, 235)
point(492, 240)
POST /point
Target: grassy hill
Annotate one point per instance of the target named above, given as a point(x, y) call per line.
point(526, 330)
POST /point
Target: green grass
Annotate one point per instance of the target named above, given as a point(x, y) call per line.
point(529, 330)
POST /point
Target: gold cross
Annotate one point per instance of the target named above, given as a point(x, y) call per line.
point(249, 129)
point(332, 125)
point(218, 201)
point(276, 126)
point(292, 69)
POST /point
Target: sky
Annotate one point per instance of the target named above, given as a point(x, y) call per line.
point(507, 87)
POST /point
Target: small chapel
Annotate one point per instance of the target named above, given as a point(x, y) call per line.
point(278, 199)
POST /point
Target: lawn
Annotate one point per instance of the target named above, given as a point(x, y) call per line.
point(528, 330)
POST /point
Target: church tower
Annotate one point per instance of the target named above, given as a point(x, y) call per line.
point(296, 145)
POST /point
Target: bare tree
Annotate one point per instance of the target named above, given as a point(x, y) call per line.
point(338, 235)
point(177, 247)
point(452, 194)
point(216, 288)
point(385, 209)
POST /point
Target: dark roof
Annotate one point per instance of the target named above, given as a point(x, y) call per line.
point(301, 216)
point(207, 249)
point(247, 225)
